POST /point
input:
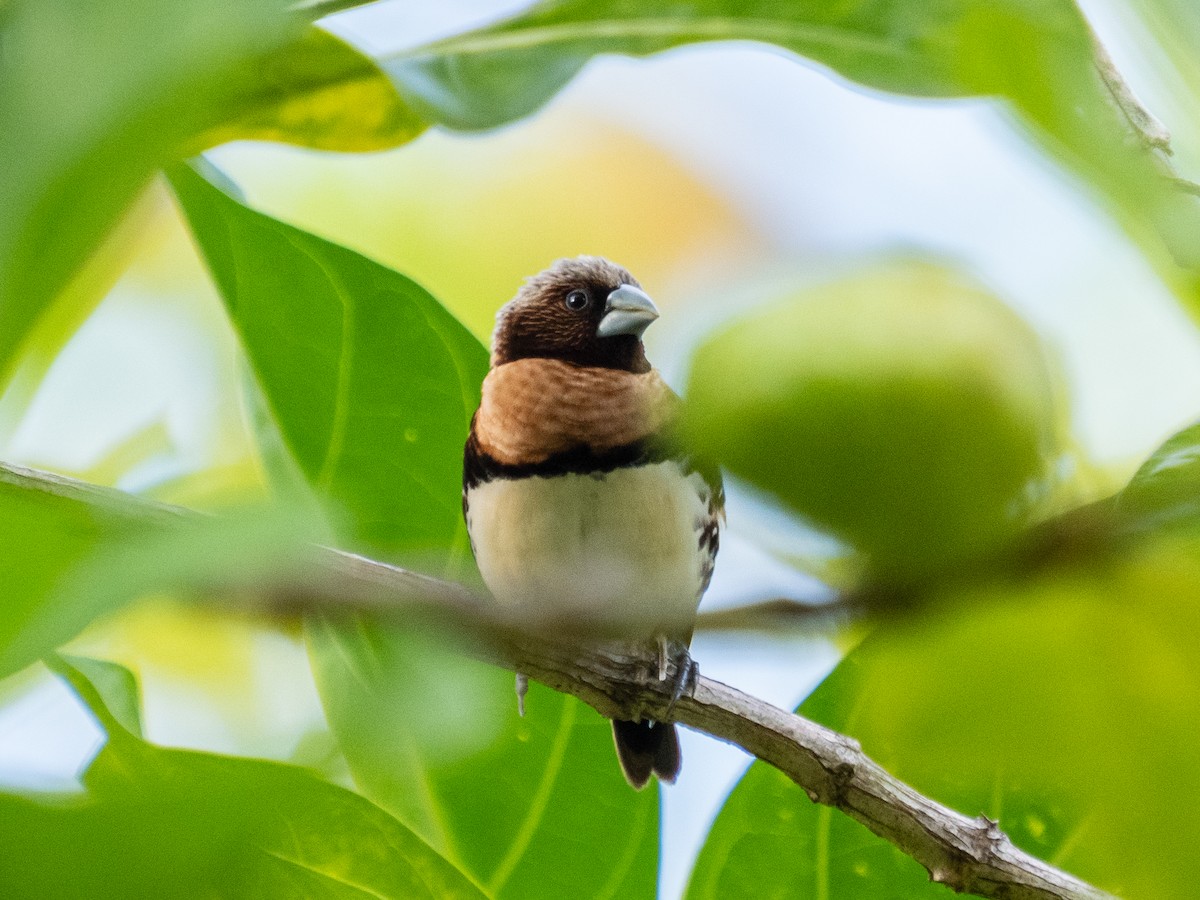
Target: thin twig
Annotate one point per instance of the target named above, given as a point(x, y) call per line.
point(782, 614)
point(1150, 132)
point(967, 855)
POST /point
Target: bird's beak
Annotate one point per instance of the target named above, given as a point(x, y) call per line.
point(628, 311)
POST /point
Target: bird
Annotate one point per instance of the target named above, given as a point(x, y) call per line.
point(579, 502)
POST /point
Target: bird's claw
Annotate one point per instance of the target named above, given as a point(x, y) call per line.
point(687, 672)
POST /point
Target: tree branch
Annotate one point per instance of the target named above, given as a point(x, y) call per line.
point(967, 855)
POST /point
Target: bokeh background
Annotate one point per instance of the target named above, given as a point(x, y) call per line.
point(723, 176)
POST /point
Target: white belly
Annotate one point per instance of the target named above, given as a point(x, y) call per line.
point(622, 547)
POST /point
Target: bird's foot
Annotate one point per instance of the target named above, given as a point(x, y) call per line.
point(522, 690)
point(687, 673)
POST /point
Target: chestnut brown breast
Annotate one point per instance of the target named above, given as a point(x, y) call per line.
point(533, 409)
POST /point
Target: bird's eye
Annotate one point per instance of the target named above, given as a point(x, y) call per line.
point(577, 300)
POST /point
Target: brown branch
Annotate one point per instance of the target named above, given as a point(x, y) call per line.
point(968, 855)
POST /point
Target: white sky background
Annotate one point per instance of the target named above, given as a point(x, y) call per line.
point(827, 172)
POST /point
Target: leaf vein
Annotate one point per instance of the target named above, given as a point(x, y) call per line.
point(702, 29)
point(541, 799)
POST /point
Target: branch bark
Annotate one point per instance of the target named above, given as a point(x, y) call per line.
point(967, 855)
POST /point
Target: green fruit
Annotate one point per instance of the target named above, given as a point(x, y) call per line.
point(906, 411)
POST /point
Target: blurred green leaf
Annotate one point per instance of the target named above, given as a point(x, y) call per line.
point(95, 97)
point(487, 77)
point(173, 823)
point(71, 557)
point(1070, 712)
point(76, 301)
point(370, 380)
point(319, 92)
point(532, 807)
point(117, 699)
point(1165, 490)
point(905, 410)
point(45, 536)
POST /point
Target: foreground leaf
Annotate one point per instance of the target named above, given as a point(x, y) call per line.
point(113, 689)
point(905, 410)
point(371, 381)
point(532, 807)
point(1165, 490)
point(173, 823)
point(71, 558)
point(96, 97)
point(1070, 712)
point(498, 73)
point(316, 91)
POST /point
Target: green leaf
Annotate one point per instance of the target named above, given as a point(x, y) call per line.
point(817, 851)
point(317, 91)
point(72, 556)
point(113, 690)
point(770, 841)
point(1035, 54)
point(370, 380)
point(77, 299)
point(373, 384)
point(904, 409)
point(1069, 710)
point(532, 807)
point(44, 536)
point(172, 823)
point(954, 48)
point(96, 96)
point(1165, 490)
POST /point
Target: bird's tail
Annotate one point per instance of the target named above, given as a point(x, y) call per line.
point(646, 748)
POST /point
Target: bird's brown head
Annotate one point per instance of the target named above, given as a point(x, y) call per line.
point(585, 311)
